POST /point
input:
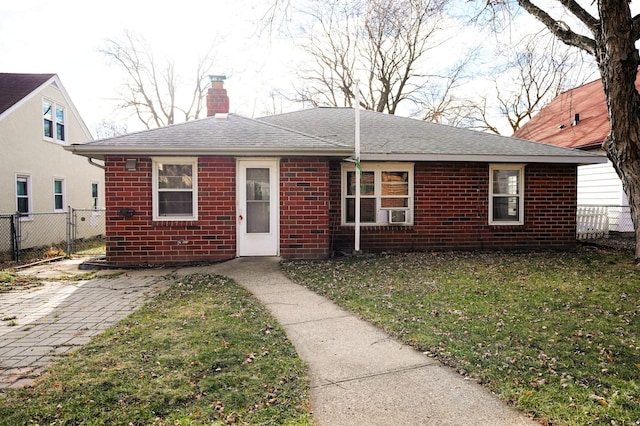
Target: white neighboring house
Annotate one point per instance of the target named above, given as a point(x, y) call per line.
point(578, 118)
point(37, 120)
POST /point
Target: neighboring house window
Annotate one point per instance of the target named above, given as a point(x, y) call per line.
point(94, 195)
point(386, 193)
point(54, 120)
point(23, 194)
point(506, 194)
point(175, 189)
point(58, 194)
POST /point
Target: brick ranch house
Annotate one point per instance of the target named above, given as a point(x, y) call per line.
point(229, 186)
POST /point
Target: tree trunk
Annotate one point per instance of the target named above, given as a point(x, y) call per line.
point(618, 61)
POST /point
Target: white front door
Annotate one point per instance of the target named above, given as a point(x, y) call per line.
point(257, 205)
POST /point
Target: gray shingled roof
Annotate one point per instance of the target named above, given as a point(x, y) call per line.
point(232, 135)
point(330, 132)
point(389, 137)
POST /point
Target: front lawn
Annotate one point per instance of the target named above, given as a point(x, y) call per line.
point(203, 352)
point(556, 334)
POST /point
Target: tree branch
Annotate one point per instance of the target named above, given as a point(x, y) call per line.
point(559, 29)
point(578, 11)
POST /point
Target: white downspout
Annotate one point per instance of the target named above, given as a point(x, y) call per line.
point(358, 169)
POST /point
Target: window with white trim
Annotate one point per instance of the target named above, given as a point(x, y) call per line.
point(23, 194)
point(175, 188)
point(506, 194)
point(94, 195)
point(53, 120)
point(58, 194)
point(386, 193)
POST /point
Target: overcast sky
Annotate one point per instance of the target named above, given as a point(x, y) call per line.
point(64, 37)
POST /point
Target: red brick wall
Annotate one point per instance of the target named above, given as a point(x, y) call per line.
point(139, 240)
point(304, 208)
point(451, 211)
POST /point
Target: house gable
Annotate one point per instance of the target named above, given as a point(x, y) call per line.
point(54, 176)
point(18, 89)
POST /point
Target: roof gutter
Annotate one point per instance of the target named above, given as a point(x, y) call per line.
point(586, 158)
point(100, 154)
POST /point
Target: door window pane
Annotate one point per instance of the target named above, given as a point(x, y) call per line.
point(258, 184)
point(258, 204)
point(258, 217)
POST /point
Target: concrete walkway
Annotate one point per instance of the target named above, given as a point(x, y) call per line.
point(359, 375)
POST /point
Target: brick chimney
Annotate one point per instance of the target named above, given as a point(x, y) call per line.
point(217, 99)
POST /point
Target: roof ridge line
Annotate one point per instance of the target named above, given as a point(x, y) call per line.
point(277, 126)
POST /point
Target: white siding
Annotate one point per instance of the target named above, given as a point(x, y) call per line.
point(27, 152)
point(599, 185)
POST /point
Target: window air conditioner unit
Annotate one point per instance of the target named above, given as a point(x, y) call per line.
point(398, 217)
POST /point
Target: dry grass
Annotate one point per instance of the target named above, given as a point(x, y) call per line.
point(556, 334)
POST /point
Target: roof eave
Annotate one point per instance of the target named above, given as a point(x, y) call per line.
point(102, 152)
point(487, 158)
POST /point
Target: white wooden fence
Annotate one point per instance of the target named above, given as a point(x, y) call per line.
point(593, 222)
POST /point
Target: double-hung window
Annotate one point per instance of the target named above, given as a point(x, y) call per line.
point(53, 120)
point(23, 194)
point(175, 189)
point(58, 194)
point(506, 194)
point(386, 193)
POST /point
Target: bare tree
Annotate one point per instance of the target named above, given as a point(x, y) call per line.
point(440, 100)
point(607, 30)
point(534, 70)
point(109, 128)
point(151, 90)
point(378, 42)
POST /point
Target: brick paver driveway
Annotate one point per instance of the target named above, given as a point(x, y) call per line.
point(40, 323)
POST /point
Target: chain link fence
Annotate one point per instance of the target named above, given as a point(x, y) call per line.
point(26, 238)
point(598, 221)
point(7, 238)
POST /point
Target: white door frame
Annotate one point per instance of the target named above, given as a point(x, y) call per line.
point(258, 244)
